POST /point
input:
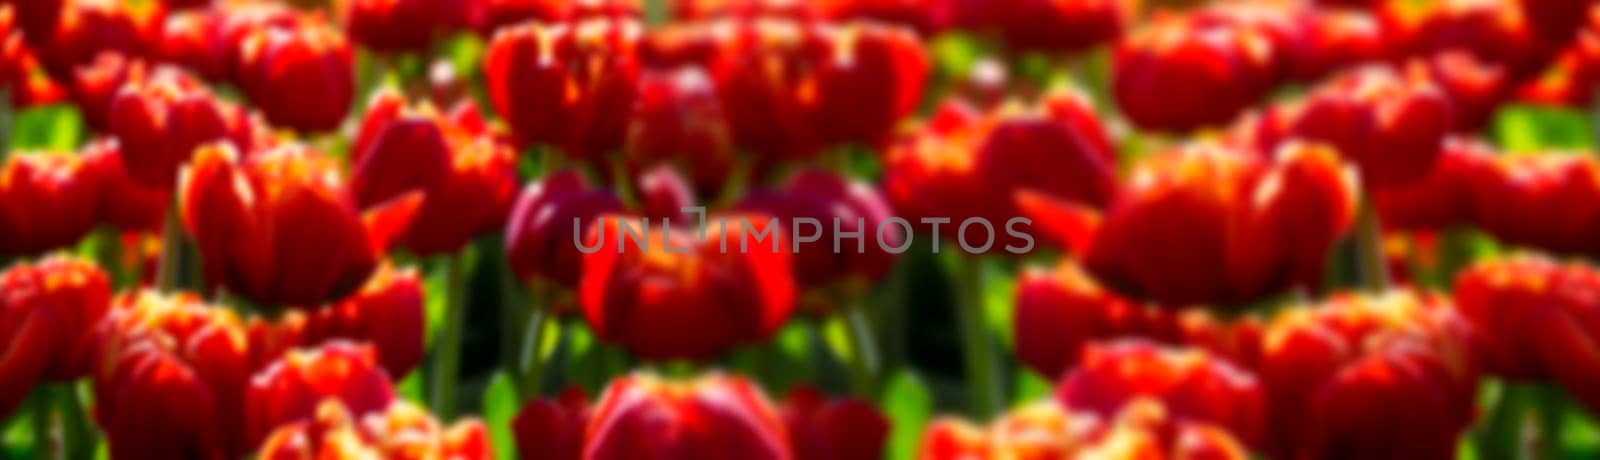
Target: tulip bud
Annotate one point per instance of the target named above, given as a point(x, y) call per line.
point(758, 69)
point(122, 203)
point(1304, 203)
point(565, 85)
point(663, 193)
point(1192, 384)
point(645, 417)
point(281, 227)
point(46, 202)
point(841, 429)
point(47, 314)
point(1443, 198)
point(302, 78)
point(553, 429)
point(1391, 128)
point(289, 389)
point(867, 77)
point(1337, 39)
point(395, 26)
point(193, 39)
point(86, 28)
point(96, 84)
point(542, 236)
point(1541, 201)
point(161, 121)
point(467, 179)
point(1493, 32)
point(835, 205)
point(1061, 27)
point(1364, 376)
point(678, 120)
point(1174, 75)
point(402, 431)
point(386, 312)
point(731, 296)
point(170, 378)
point(1475, 88)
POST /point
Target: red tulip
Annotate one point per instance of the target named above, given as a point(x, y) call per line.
point(1192, 384)
point(1223, 226)
point(1494, 32)
point(693, 10)
point(1060, 311)
point(46, 202)
point(541, 238)
point(1442, 199)
point(975, 166)
point(1475, 89)
point(47, 311)
point(466, 177)
point(123, 203)
point(1175, 75)
point(1554, 20)
point(923, 16)
point(1142, 430)
point(1390, 127)
point(301, 77)
point(193, 39)
point(95, 85)
point(236, 23)
point(714, 417)
point(170, 378)
point(497, 14)
point(1543, 201)
point(678, 120)
point(396, 25)
point(1058, 26)
point(162, 120)
point(281, 226)
point(1388, 375)
point(662, 193)
point(553, 429)
point(402, 431)
point(86, 28)
point(1337, 39)
point(676, 294)
point(839, 206)
point(865, 79)
point(387, 312)
point(566, 85)
point(840, 429)
point(758, 67)
point(289, 389)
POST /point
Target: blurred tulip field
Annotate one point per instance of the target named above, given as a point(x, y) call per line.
point(799, 229)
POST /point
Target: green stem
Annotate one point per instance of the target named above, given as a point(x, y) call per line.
point(447, 352)
point(865, 361)
point(77, 437)
point(1369, 249)
point(530, 359)
point(983, 373)
point(44, 445)
point(170, 267)
point(1550, 401)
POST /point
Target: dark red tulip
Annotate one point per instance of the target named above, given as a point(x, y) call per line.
point(680, 295)
point(662, 194)
point(923, 16)
point(47, 201)
point(1192, 384)
point(838, 205)
point(839, 429)
point(387, 312)
point(193, 39)
point(86, 28)
point(1177, 75)
point(170, 378)
point(123, 203)
point(1384, 375)
point(866, 78)
point(238, 22)
point(1142, 430)
point(281, 227)
point(300, 77)
point(1542, 201)
point(1391, 127)
point(1228, 227)
point(1060, 311)
point(974, 165)
point(47, 313)
point(492, 15)
point(1493, 32)
point(1475, 88)
point(758, 68)
point(401, 431)
point(1537, 320)
point(642, 417)
point(1057, 26)
point(396, 25)
point(467, 178)
point(678, 120)
point(1443, 198)
point(566, 85)
point(553, 429)
point(1554, 20)
point(541, 238)
point(1337, 39)
point(162, 120)
point(289, 389)
point(693, 10)
point(96, 84)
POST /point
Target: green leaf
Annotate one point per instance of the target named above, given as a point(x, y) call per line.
point(499, 407)
point(955, 54)
point(53, 128)
point(411, 388)
point(909, 406)
point(837, 334)
point(1030, 387)
point(999, 300)
point(1527, 128)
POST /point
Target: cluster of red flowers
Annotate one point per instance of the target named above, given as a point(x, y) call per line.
point(277, 213)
